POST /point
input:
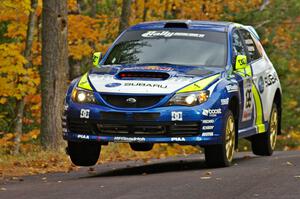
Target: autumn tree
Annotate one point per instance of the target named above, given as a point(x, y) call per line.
point(27, 53)
point(19, 75)
point(125, 14)
point(54, 70)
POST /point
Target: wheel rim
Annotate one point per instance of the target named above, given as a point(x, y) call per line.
point(230, 138)
point(273, 128)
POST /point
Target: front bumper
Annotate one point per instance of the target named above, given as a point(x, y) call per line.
point(192, 140)
point(155, 125)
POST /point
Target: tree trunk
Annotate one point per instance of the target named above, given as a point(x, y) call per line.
point(166, 9)
point(145, 10)
point(54, 72)
point(18, 125)
point(20, 104)
point(124, 19)
point(94, 8)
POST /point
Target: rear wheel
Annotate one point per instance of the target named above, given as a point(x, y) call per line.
point(141, 146)
point(264, 144)
point(84, 153)
point(221, 155)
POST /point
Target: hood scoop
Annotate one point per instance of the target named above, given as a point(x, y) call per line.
point(144, 75)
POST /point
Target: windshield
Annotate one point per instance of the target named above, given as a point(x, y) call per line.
point(178, 47)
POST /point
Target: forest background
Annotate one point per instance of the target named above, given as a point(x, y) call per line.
point(92, 25)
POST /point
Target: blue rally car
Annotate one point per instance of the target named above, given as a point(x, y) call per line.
point(188, 82)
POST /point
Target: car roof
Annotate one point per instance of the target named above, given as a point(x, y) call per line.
point(221, 26)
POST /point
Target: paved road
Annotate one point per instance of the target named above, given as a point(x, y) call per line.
point(181, 177)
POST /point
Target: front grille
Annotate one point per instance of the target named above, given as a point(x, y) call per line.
point(112, 116)
point(145, 116)
point(82, 126)
point(119, 116)
point(165, 129)
point(129, 101)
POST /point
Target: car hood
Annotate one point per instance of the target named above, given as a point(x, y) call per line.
point(135, 79)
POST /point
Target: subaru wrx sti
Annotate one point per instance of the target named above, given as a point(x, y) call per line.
point(195, 83)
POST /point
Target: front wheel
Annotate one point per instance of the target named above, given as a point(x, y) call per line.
point(264, 144)
point(84, 153)
point(221, 155)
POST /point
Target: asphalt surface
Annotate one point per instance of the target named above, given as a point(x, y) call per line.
point(251, 176)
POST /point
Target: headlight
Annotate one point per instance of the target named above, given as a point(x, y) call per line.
point(189, 99)
point(83, 96)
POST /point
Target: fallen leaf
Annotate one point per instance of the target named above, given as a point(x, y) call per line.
point(208, 173)
point(205, 178)
point(247, 157)
point(3, 189)
point(289, 163)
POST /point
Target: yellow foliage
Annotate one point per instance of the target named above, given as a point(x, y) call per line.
point(32, 135)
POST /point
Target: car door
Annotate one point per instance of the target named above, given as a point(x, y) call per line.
point(261, 70)
point(244, 78)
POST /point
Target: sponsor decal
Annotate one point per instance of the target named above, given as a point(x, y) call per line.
point(83, 136)
point(176, 116)
point(66, 107)
point(152, 85)
point(85, 113)
point(208, 134)
point(151, 34)
point(261, 85)
point(207, 127)
point(211, 112)
point(208, 121)
point(113, 85)
point(225, 101)
point(178, 139)
point(270, 79)
point(232, 88)
point(129, 139)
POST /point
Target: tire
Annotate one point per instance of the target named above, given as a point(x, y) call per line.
point(221, 155)
point(84, 153)
point(264, 144)
point(141, 146)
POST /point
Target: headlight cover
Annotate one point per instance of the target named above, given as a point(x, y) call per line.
point(83, 96)
point(189, 98)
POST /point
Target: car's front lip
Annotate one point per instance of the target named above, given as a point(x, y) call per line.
point(191, 140)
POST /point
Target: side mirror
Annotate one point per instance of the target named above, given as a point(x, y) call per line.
point(97, 56)
point(240, 62)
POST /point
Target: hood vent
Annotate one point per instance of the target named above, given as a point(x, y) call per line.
point(176, 25)
point(143, 75)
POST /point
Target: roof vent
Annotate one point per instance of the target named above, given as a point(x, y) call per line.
point(176, 25)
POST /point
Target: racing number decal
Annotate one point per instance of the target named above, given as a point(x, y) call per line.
point(248, 98)
point(248, 103)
